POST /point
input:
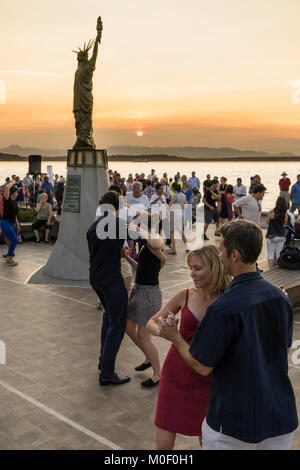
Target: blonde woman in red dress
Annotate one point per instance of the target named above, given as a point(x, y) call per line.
point(183, 395)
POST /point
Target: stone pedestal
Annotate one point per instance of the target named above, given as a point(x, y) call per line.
point(86, 181)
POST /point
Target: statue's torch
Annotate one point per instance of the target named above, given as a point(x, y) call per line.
point(99, 28)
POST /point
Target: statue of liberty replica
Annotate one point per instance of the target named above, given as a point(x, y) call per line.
point(87, 180)
point(83, 96)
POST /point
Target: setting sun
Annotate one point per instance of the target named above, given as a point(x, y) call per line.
point(234, 97)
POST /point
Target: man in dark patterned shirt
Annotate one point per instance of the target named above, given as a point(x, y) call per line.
point(244, 338)
point(149, 191)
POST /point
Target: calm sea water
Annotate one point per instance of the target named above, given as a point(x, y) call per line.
point(269, 171)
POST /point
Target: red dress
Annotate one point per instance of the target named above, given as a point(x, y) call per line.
point(183, 394)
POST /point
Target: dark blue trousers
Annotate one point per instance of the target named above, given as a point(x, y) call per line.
point(10, 232)
point(114, 299)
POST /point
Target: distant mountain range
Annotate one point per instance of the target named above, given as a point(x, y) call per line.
point(139, 153)
point(25, 151)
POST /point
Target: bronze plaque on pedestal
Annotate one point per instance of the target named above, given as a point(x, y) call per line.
point(72, 196)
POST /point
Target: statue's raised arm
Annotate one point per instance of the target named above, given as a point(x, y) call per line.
point(83, 86)
point(97, 41)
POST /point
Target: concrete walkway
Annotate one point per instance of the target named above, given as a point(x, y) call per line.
point(49, 392)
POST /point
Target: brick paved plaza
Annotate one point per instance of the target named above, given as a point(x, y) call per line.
point(49, 392)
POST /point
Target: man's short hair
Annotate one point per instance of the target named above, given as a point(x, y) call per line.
point(148, 182)
point(176, 187)
point(110, 198)
point(115, 187)
point(137, 184)
point(215, 182)
point(13, 190)
point(244, 236)
point(259, 189)
point(158, 186)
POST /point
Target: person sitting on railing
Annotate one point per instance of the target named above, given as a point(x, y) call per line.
point(44, 216)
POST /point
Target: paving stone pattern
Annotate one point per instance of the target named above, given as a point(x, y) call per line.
point(52, 339)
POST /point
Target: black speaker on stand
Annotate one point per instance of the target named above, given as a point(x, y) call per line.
point(34, 162)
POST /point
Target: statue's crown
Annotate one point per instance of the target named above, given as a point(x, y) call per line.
point(86, 48)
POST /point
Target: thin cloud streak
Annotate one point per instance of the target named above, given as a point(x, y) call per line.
point(27, 72)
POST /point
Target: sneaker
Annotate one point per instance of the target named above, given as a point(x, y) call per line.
point(6, 255)
point(13, 263)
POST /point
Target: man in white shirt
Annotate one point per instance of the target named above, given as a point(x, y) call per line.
point(248, 207)
point(152, 175)
point(137, 201)
point(193, 181)
point(38, 182)
point(27, 180)
point(166, 189)
point(167, 192)
point(158, 201)
point(239, 190)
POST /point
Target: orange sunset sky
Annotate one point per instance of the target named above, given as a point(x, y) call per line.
point(185, 72)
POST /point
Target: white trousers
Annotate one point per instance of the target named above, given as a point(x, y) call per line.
point(213, 440)
point(274, 246)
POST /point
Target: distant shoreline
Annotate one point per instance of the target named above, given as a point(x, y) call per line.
point(164, 158)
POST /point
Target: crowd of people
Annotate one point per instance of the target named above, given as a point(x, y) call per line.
point(188, 396)
point(176, 201)
point(225, 376)
point(31, 188)
point(35, 192)
point(221, 200)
